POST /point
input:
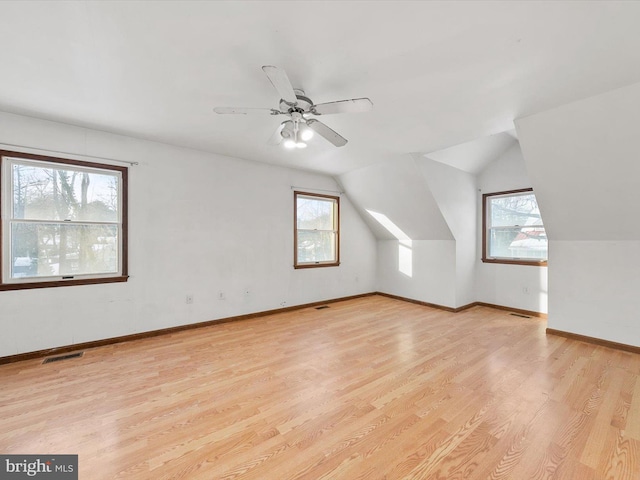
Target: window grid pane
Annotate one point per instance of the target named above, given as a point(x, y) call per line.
point(54, 193)
point(514, 210)
point(57, 249)
point(518, 243)
point(315, 214)
point(316, 246)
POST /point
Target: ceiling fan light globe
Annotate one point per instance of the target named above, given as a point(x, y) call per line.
point(289, 143)
point(306, 134)
point(301, 145)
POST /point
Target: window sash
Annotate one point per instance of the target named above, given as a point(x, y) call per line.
point(490, 200)
point(77, 258)
point(530, 251)
point(322, 240)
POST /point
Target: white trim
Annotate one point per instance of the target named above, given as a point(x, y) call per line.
point(311, 190)
point(71, 156)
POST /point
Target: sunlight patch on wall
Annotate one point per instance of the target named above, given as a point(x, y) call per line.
point(405, 252)
point(543, 300)
point(405, 259)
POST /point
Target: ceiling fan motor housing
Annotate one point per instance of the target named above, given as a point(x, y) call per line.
point(303, 104)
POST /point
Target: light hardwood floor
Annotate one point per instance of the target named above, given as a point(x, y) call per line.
point(371, 388)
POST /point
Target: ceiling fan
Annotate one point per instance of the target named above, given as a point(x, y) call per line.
point(299, 127)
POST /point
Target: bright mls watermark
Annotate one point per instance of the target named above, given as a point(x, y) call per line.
point(50, 467)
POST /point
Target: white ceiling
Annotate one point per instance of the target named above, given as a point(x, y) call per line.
point(439, 73)
point(473, 156)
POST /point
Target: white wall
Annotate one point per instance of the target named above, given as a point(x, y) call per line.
point(515, 286)
point(455, 192)
point(595, 289)
point(439, 207)
point(583, 162)
point(432, 278)
point(199, 224)
point(418, 261)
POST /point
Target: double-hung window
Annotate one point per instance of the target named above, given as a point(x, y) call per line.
point(63, 222)
point(513, 229)
point(317, 234)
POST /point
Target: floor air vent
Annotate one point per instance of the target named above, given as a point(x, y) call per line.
point(322, 307)
point(519, 315)
point(63, 357)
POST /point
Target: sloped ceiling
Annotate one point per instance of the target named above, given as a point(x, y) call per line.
point(582, 159)
point(394, 200)
point(473, 157)
point(439, 73)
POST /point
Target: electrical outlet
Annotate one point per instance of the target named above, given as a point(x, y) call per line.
point(189, 298)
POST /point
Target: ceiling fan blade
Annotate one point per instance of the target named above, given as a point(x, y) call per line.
point(281, 83)
point(245, 111)
point(324, 131)
point(353, 105)
point(276, 138)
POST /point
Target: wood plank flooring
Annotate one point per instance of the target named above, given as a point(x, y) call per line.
point(370, 388)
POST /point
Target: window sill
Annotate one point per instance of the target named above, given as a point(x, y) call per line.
point(316, 265)
point(535, 263)
point(62, 283)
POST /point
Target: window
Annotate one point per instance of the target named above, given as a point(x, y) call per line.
point(63, 222)
point(317, 234)
point(513, 229)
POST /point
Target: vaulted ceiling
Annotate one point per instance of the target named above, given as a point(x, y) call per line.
point(439, 74)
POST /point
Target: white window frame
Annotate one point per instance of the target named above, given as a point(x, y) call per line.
point(336, 230)
point(8, 160)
